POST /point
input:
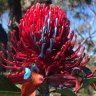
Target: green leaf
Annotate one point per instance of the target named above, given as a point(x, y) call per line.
point(88, 81)
point(66, 92)
point(7, 85)
point(9, 93)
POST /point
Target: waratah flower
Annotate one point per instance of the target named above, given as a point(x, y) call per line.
point(46, 41)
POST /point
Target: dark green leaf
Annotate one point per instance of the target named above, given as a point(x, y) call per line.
point(66, 92)
point(88, 1)
point(86, 71)
point(7, 85)
point(1, 69)
point(88, 81)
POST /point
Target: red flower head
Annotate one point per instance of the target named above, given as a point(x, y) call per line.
point(46, 40)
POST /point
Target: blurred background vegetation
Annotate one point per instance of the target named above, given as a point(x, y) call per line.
point(82, 16)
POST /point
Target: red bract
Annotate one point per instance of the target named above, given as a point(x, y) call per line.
point(46, 40)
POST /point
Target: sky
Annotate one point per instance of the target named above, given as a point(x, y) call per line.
point(87, 17)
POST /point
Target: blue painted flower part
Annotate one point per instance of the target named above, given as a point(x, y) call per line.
point(27, 73)
point(35, 68)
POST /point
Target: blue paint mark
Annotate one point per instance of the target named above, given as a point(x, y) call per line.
point(55, 32)
point(48, 24)
point(51, 44)
point(34, 39)
point(55, 29)
point(56, 21)
point(27, 73)
point(42, 50)
point(35, 68)
point(45, 20)
point(43, 31)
